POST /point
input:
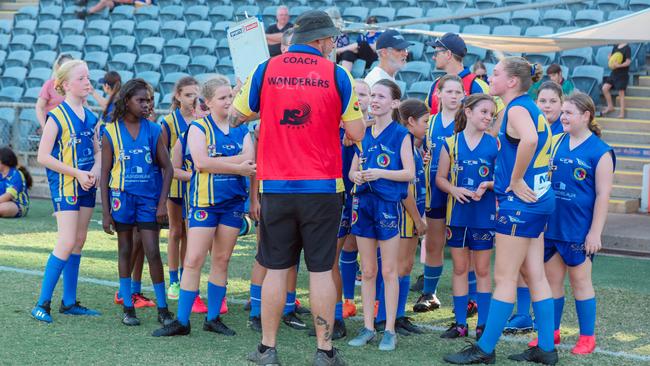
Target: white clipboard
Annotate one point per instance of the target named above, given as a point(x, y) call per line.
point(248, 47)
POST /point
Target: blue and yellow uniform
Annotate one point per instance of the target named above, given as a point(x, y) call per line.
point(175, 125)
point(346, 212)
point(556, 127)
point(135, 179)
point(418, 188)
point(436, 135)
point(471, 224)
point(574, 182)
point(188, 166)
point(218, 199)
point(376, 205)
point(74, 146)
point(15, 184)
point(514, 216)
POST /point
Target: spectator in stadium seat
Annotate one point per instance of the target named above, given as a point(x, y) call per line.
point(48, 98)
point(554, 72)
point(392, 49)
point(274, 31)
point(480, 71)
point(15, 180)
point(110, 4)
point(618, 79)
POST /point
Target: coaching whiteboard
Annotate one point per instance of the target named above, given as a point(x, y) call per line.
point(248, 47)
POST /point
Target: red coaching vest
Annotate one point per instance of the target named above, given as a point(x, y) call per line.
point(434, 101)
point(300, 111)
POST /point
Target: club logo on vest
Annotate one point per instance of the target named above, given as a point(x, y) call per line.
point(483, 171)
point(200, 215)
point(117, 204)
point(383, 160)
point(448, 233)
point(580, 174)
point(296, 117)
point(71, 200)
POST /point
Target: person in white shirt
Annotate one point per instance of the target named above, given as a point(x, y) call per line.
point(392, 51)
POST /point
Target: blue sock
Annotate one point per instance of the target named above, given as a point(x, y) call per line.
point(381, 311)
point(460, 309)
point(185, 302)
point(379, 283)
point(216, 294)
point(180, 272)
point(404, 285)
point(431, 278)
point(125, 291)
point(53, 270)
point(290, 304)
point(496, 321)
point(173, 276)
point(543, 315)
point(338, 311)
point(471, 281)
point(136, 287)
point(161, 296)
point(586, 310)
point(483, 302)
point(70, 279)
point(256, 300)
point(558, 308)
point(523, 301)
point(349, 267)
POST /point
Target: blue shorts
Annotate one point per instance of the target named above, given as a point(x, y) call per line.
point(229, 213)
point(573, 254)
point(467, 237)
point(520, 223)
point(436, 212)
point(70, 203)
point(374, 218)
point(130, 209)
point(345, 227)
point(177, 200)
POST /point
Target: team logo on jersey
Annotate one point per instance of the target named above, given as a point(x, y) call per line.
point(296, 117)
point(117, 204)
point(448, 233)
point(483, 171)
point(356, 106)
point(383, 160)
point(200, 215)
point(355, 217)
point(71, 200)
point(579, 173)
point(147, 158)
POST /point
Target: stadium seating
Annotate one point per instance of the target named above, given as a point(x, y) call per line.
point(587, 78)
point(42, 59)
point(205, 63)
point(122, 61)
point(147, 28)
point(414, 71)
point(31, 95)
point(576, 57)
point(11, 93)
point(148, 62)
point(73, 27)
point(419, 89)
point(18, 58)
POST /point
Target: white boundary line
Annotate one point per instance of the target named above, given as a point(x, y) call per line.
point(114, 284)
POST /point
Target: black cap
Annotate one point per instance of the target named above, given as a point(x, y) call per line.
point(392, 39)
point(452, 42)
point(313, 25)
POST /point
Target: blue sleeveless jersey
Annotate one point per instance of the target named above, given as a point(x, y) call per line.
point(348, 155)
point(419, 184)
point(134, 160)
point(15, 184)
point(470, 168)
point(556, 127)
point(383, 152)
point(73, 146)
point(436, 135)
point(207, 189)
point(574, 182)
point(537, 173)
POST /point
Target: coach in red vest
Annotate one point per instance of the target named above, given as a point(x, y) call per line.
point(301, 98)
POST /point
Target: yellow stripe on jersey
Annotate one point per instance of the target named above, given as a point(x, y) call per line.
point(67, 150)
point(406, 223)
point(171, 124)
point(117, 172)
point(452, 143)
point(351, 110)
point(203, 183)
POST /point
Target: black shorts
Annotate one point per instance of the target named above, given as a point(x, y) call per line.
point(618, 81)
point(121, 227)
point(293, 222)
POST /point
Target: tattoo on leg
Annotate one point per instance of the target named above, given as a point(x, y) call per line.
point(323, 323)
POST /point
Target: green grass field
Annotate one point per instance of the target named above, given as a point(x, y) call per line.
point(621, 285)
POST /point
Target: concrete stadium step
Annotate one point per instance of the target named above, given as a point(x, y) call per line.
point(632, 113)
point(644, 80)
point(631, 137)
point(638, 91)
point(625, 124)
point(631, 150)
point(619, 190)
point(626, 233)
point(633, 164)
point(623, 205)
point(628, 177)
point(635, 102)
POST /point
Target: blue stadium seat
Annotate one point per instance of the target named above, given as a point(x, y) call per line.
point(3, 57)
point(416, 50)
point(28, 136)
point(50, 13)
point(466, 21)
point(18, 58)
point(576, 57)
point(5, 26)
point(557, 18)
point(525, 18)
point(98, 27)
point(474, 54)
point(251, 10)
point(383, 14)
point(11, 94)
point(176, 46)
point(419, 90)
point(618, 14)
point(587, 17)
point(143, 13)
point(477, 29)
point(439, 13)
point(148, 62)
point(296, 11)
point(202, 78)
point(445, 28)
point(222, 48)
point(565, 29)
point(166, 101)
point(546, 58)
point(163, 3)
point(151, 45)
point(195, 13)
point(97, 43)
point(167, 85)
point(225, 66)
point(409, 13)
point(506, 30)
point(202, 64)
point(414, 37)
point(122, 61)
point(219, 29)
point(4, 41)
point(26, 12)
point(73, 27)
point(602, 58)
point(538, 31)
point(456, 5)
point(125, 75)
point(31, 95)
point(151, 77)
point(96, 59)
point(399, 4)
point(402, 86)
point(608, 6)
point(175, 63)
point(147, 28)
point(70, 12)
point(189, 3)
point(47, 42)
point(72, 43)
point(487, 4)
point(26, 26)
point(7, 117)
point(495, 20)
point(414, 71)
point(268, 14)
point(371, 4)
point(173, 29)
point(221, 13)
point(638, 5)
point(587, 78)
point(429, 4)
point(171, 12)
point(21, 42)
point(203, 46)
point(52, 26)
point(122, 12)
point(42, 59)
point(13, 76)
point(37, 77)
point(198, 29)
point(122, 44)
point(122, 28)
point(358, 68)
point(95, 75)
point(357, 14)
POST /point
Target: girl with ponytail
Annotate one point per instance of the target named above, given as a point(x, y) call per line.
point(15, 180)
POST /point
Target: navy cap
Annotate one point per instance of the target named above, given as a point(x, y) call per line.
point(392, 39)
point(451, 42)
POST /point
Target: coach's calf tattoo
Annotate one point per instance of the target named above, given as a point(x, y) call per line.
point(320, 322)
